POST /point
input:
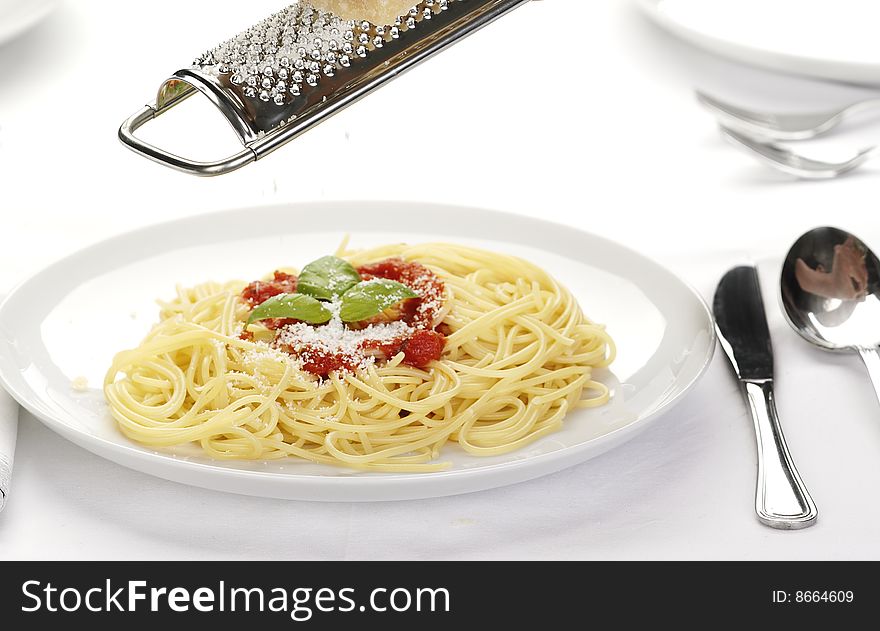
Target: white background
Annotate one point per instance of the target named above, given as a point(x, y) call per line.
point(579, 112)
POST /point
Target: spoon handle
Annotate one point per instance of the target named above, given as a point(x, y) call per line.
point(781, 499)
point(871, 357)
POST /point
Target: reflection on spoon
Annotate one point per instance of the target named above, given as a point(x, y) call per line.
point(847, 278)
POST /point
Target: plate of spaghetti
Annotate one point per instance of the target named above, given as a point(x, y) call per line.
point(352, 351)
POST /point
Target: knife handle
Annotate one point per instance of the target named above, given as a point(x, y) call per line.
point(781, 500)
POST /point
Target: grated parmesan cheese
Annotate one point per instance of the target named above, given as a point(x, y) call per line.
point(335, 338)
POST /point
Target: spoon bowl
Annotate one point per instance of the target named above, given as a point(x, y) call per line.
point(831, 294)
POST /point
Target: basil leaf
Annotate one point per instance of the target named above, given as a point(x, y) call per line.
point(294, 306)
point(372, 297)
point(327, 278)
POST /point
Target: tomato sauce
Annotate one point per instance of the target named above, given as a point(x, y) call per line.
point(420, 347)
point(260, 291)
point(320, 362)
point(423, 347)
point(419, 312)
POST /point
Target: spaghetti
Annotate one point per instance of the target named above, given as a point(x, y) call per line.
point(469, 346)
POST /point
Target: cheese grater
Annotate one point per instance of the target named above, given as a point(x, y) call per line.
point(289, 72)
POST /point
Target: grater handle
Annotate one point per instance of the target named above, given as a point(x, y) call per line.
point(218, 167)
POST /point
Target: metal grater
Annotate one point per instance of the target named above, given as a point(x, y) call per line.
point(296, 68)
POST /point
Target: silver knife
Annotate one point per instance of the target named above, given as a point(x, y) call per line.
point(782, 499)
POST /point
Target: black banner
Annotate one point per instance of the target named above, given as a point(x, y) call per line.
point(433, 595)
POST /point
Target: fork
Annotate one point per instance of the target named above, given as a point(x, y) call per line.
point(775, 126)
point(759, 132)
point(792, 163)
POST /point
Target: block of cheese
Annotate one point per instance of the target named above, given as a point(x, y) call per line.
point(382, 12)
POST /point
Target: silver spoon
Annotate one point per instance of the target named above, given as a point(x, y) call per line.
point(831, 294)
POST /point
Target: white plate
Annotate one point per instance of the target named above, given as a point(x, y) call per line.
point(17, 16)
point(69, 320)
point(830, 39)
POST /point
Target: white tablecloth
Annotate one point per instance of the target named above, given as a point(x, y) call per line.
point(579, 112)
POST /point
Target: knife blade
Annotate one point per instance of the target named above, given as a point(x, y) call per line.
point(781, 497)
point(742, 324)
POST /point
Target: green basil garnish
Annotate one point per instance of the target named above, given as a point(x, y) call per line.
point(327, 278)
point(372, 297)
point(296, 306)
